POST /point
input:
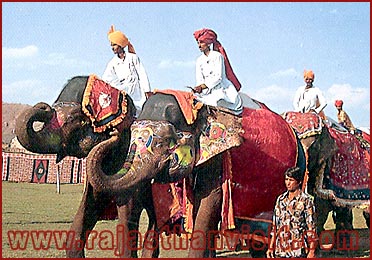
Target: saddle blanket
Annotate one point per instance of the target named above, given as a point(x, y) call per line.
point(105, 105)
point(349, 174)
point(304, 124)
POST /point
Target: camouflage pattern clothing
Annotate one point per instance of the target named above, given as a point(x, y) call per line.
point(293, 224)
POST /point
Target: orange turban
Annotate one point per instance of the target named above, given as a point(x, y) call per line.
point(308, 74)
point(209, 36)
point(117, 37)
point(339, 103)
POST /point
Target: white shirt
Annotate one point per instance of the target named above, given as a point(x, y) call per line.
point(307, 99)
point(128, 75)
point(210, 70)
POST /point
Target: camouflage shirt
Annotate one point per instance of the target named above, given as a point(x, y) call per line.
point(293, 224)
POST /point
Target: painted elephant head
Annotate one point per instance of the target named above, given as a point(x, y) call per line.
point(160, 139)
point(62, 128)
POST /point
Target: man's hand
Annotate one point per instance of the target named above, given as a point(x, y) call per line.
point(199, 89)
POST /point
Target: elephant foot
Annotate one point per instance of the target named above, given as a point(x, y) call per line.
point(75, 253)
point(366, 217)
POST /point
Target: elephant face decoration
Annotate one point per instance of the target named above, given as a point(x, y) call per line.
point(160, 139)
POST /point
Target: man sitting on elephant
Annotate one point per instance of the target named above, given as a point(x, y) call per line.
point(125, 71)
point(309, 98)
point(216, 82)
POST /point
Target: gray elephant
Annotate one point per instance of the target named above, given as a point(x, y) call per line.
point(166, 147)
point(64, 129)
point(333, 152)
point(167, 130)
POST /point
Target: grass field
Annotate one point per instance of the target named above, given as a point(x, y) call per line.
point(38, 207)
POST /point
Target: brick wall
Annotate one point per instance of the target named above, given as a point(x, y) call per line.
point(25, 167)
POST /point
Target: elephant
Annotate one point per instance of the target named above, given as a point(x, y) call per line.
point(64, 129)
point(163, 117)
point(170, 149)
point(319, 139)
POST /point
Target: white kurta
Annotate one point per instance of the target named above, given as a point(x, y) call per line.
point(307, 99)
point(210, 70)
point(128, 75)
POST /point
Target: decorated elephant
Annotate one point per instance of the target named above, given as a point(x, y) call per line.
point(84, 114)
point(233, 165)
point(338, 168)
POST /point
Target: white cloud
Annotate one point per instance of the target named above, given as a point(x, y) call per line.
point(273, 93)
point(60, 59)
point(20, 53)
point(277, 98)
point(30, 58)
point(31, 90)
point(169, 64)
point(284, 73)
point(351, 96)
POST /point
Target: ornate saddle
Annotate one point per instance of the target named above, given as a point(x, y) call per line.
point(348, 176)
point(105, 105)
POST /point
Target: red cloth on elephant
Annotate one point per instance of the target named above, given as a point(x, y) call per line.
point(106, 106)
point(269, 148)
point(350, 167)
point(305, 124)
point(186, 102)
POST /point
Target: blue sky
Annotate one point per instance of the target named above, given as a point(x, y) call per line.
point(269, 46)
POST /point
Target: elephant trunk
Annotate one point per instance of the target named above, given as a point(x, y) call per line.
point(44, 140)
point(154, 146)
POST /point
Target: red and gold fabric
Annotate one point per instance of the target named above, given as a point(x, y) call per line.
point(186, 101)
point(349, 174)
point(304, 124)
point(105, 105)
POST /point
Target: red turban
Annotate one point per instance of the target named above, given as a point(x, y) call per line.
point(209, 36)
point(339, 103)
point(205, 35)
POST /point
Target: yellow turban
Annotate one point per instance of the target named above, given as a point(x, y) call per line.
point(117, 37)
point(308, 74)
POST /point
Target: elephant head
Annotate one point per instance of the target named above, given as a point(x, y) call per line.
point(62, 128)
point(162, 145)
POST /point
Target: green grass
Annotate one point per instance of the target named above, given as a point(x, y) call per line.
point(30, 206)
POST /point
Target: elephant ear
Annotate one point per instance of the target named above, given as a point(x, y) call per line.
point(224, 131)
point(183, 156)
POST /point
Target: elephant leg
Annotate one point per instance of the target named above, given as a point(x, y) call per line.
point(84, 221)
point(127, 230)
point(343, 218)
point(207, 208)
point(202, 242)
point(322, 209)
point(366, 217)
point(151, 239)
